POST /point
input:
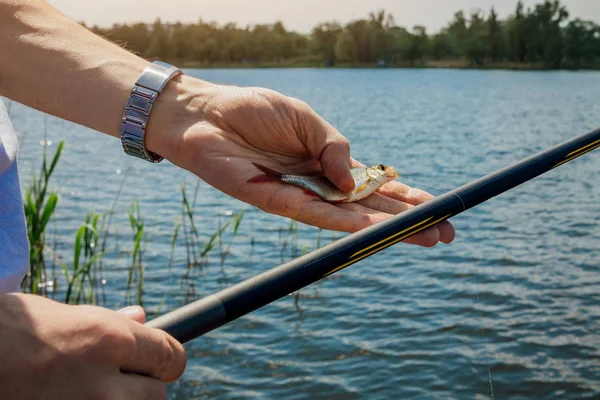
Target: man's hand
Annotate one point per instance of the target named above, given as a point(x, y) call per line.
point(213, 131)
point(219, 131)
point(55, 351)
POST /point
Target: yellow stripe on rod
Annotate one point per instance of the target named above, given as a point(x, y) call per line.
point(583, 148)
point(576, 155)
point(388, 244)
point(389, 238)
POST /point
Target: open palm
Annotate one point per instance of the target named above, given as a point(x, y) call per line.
point(242, 126)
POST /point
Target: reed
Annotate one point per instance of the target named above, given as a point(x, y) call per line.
point(136, 269)
point(174, 242)
point(83, 281)
point(197, 251)
point(236, 219)
point(39, 206)
point(289, 237)
point(106, 233)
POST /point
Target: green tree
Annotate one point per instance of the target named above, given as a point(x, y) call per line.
point(541, 35)
point(476, 45)
point(582, 44)
point(517, 34)
point(363, 33)
point(441, 47)
point(346, 49)
point(495, 37)
point(159, 45)
point(381, 39)
point(324, 37)
point(547, 19)
point(417, 45)
point(457, 33)
point(179, 41)
point(400, 39)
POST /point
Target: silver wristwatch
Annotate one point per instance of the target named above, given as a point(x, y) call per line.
point(137, 111)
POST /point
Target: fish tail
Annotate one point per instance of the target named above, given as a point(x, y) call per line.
point(269, 175)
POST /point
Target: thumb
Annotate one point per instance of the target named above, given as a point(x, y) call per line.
point(135, 313)
point(329, 147)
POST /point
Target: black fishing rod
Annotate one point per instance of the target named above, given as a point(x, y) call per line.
point(211, 312)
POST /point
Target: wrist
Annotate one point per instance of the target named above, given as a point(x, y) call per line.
point(181, 104)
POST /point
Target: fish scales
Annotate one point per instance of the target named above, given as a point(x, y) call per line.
point(366, 181)
point(323, 187)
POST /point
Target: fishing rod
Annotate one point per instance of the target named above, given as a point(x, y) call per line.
point(218, 309)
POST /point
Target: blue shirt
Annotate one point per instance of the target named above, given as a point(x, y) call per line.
point(14, 247)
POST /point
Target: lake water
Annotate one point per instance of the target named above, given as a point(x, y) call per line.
point(509, 310)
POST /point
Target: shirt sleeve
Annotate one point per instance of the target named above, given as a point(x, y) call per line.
point(14, 246)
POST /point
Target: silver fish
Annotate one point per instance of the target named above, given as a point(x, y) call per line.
point(366, 181)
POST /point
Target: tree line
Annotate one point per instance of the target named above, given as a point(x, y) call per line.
point(541, 36)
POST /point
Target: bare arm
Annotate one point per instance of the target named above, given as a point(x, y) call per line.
point(55, 65)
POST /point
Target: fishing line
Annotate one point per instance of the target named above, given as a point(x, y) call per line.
point(468, 244)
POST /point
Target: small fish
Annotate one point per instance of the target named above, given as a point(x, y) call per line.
point(366, 181)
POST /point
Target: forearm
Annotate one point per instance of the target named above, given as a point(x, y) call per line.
point(55, 65)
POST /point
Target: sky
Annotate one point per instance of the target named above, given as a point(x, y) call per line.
point(297, 15)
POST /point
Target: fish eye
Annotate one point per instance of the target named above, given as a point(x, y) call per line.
point(381, 167)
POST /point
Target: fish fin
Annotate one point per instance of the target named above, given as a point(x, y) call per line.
point(269, 175)
point(361, 188)
point(268, 171)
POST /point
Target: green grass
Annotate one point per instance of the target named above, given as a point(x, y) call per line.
point(198, 251)
point(83, 278)
point(136, 269)
point(39, 206)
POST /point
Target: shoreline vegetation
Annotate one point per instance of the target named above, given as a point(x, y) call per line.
point(428, 64)
point(541, 37)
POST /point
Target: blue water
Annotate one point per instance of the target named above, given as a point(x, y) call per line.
point(509, 310)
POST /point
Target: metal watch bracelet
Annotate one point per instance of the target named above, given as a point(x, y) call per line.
point(139, 105)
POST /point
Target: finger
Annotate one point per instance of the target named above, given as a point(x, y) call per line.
point(410, 196)
point(447, 232)
point(156, 354)
point(427, 238)
point(328, 146)
point(127, 386)
point(404, 193)
point(374, 214)
point(135, 313)
point(441, 232)
point(335, 163)
point(387, 205)
point(331, 217)
point(384, 204)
